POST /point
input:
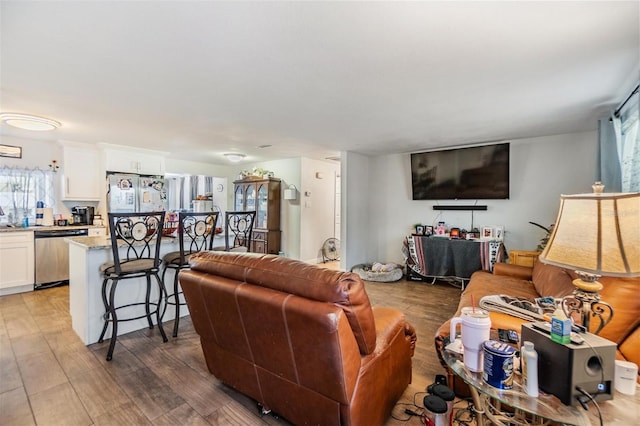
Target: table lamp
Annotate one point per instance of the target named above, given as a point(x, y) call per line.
point(595, 234)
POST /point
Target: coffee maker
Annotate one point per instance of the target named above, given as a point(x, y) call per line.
point(82, 215)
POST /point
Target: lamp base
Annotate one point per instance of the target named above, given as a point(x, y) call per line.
point(586, 302)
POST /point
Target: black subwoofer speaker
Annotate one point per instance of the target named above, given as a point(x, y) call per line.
point(562, 368)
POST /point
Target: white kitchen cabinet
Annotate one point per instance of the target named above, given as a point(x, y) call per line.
point(134, 161)
point(17, 267)
point(81, 177)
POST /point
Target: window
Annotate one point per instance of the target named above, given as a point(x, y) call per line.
point(627, 129)
point(20, 189)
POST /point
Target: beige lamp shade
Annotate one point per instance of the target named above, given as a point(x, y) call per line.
point(598, 234)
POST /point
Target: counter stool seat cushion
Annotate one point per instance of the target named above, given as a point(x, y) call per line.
point(128, 267)
point(173, 259)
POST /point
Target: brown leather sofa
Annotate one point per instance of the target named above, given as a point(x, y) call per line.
point(547, 280)
point(301, 340)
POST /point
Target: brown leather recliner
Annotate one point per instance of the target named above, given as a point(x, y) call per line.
point(301, 340)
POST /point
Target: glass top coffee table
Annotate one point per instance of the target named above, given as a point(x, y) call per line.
point(525, 409)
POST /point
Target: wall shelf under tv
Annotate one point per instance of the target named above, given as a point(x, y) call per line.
point(457, 207)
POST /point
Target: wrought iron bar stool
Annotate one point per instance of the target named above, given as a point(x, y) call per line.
point(195, 233)
point(238, 231)
point(139, 236)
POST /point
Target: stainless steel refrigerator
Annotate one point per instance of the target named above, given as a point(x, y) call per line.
point(130, 193)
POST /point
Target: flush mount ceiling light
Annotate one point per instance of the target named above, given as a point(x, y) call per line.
point(234, 157)
point(29, 122)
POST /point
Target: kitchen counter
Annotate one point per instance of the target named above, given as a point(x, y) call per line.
point(4, 228)
point(101, 243)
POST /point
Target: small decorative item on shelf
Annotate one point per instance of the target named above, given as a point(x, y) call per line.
point(454, 233)
point(487, 233)
point(419, 230)
point(473, 234)
point(428, 230)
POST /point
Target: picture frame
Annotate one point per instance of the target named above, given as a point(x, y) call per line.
point(487, 233)
point(419, 230)
point(428, 230)
point(10, 151)
point(498, 233)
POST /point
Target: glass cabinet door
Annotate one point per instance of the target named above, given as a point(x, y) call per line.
point(238, 204)
point(250, 203)
point(263, 199)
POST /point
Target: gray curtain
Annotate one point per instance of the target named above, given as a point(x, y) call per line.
point(208, 184)
point(193, 180)
point(609, 172)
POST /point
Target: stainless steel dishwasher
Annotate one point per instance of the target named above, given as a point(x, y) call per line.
point(52, 256)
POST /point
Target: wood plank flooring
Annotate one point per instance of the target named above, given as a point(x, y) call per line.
point(48, 377)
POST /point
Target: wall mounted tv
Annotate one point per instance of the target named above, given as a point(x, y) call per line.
point(474, 173)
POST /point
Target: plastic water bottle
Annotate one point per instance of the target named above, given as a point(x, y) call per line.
point(529, 361)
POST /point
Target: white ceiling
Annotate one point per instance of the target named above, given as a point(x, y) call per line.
point(199, 78)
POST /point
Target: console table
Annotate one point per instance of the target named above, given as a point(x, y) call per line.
point(438, 257)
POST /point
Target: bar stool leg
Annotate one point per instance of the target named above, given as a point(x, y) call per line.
point(162, 294)
point(177, 302)
point(147, 299)
point(114, 319)
point(106, 309)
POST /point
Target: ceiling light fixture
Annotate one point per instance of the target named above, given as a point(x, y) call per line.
point(234, 157)
point(29, 122)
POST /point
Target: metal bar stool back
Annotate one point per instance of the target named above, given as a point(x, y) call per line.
point(195, 233)
point(135, 245)
point(239, 229)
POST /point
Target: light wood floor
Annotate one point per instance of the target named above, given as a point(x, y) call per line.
point(48, 377)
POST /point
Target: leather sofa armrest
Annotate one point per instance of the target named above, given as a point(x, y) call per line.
point(516, 271)
point(388, 323)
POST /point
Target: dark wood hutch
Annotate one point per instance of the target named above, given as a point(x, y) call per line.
point(263, 196)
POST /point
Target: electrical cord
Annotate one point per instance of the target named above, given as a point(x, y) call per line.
point(410, 409)
point(584, 403)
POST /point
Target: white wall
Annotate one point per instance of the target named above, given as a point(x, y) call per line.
point(541, 169)
point(307, 221)
point(318, 206)
point(177, 166)
point(289, 172)
point(360, 202)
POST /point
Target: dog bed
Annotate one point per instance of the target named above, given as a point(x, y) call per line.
point(378, 272)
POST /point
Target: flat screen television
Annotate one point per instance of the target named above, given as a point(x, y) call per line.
point(474, 173)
